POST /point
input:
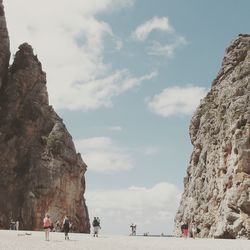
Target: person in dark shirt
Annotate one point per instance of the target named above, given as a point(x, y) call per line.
point(66, 227)
point(96, 226)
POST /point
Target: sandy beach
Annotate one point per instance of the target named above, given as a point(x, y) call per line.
point(20, 240)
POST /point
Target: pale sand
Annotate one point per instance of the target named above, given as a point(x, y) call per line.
point(9, 240)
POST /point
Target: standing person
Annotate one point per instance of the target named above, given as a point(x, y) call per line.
point(133, 229)
point(46, 225)
point(12, 225)
point(66, 226)
point(185, 230)
point(96, 225)
point(17, 225)
point(58, 227)
point(193, 229)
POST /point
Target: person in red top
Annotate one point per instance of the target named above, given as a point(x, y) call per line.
point(184, 229)
point(46, 225)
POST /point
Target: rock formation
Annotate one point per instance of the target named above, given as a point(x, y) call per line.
point(40, 169)
point(217, 186)
point(4, 46)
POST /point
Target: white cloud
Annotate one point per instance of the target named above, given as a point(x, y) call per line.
point(119, 44)
point(151, 150)
point(69, 40)
point(147, 150)
point(98, 92)
point(167, 50)
point(101, 154)
point(177, 100)
point(115, 128)
point(157, 48)
point(152, 209)
point(142, 32)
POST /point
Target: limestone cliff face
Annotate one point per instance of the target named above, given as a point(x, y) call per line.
point(40, 169)
point(217, 186)
point(4, 46)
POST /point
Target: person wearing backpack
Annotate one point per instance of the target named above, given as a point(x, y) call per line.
point(96, 225)
point(66, 227)
point(47, 225)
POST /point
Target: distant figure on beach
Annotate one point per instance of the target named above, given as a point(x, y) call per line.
point(58, 227)
point(47, 225)
point(96, 226)
point(193, 229)
point(66, 227)
point(52, 228)
point(184, 229)
point(133, 229)
point(17, 225)
point(12, 225)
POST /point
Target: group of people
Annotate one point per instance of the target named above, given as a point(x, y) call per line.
point(66, 225)
point(48, 226)
point(14, 225)
point(189, 229)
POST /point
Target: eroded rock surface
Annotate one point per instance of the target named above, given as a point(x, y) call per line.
point(217, 186)
point(40, 169)
point(4, 46)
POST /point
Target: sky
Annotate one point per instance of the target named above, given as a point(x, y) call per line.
point(126, 77)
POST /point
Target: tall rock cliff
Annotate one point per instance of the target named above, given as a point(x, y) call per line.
point(217, 186)
point(40, 169)
point(4, 46)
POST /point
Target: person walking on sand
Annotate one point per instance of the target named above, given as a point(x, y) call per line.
point(96, 225)
point(66, 227)
point(46, 225)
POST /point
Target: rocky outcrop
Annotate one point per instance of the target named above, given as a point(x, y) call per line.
point(4, 46)
point(40, 169)
point(217, 186)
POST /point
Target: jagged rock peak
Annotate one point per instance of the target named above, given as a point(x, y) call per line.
point(24, 58)
point(40, 169)
point(4, 45)
point(217, 186)
point(235, 53)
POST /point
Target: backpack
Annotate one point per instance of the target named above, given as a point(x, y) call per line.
point(66, 222)
point(96, 223)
